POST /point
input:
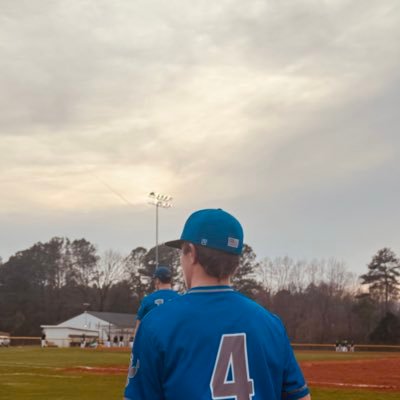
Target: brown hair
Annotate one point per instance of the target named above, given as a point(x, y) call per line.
point(216, 263)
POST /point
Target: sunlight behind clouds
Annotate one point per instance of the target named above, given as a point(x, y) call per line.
point(215, 103)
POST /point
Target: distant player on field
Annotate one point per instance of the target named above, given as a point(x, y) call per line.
point(43, 342)
point(212, 342)
point(163, 284)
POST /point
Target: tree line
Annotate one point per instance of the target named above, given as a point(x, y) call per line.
point(319, 301)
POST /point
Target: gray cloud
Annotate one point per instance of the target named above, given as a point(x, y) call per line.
point(284, 112)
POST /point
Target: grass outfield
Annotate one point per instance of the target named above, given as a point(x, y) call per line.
point(34, 373)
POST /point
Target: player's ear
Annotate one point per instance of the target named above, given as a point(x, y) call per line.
point(189, 249)
point(193, 253)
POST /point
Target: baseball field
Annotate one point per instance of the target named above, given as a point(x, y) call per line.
point(60, 374)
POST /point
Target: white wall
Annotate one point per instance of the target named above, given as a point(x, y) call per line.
point(84, 322)
point(60, 336)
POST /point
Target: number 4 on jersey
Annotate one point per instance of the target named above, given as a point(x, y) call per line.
point(232, 361)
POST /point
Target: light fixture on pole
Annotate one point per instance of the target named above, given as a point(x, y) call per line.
point(163, 201)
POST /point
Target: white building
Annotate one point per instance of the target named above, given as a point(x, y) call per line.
point(4, 339)
point(91, 326)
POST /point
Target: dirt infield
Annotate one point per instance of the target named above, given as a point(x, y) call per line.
point(376, 374)
point(381, 374)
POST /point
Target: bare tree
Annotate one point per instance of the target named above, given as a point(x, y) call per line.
point(264, 274)
point(315, 272)
point(297, 276)
point(281, 267)
point(134, 264)
point(337, 276)
point(109, 270)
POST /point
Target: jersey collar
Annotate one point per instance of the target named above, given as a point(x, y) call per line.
point(210, 289)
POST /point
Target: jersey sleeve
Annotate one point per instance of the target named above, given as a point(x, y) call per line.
point(144, 375)
point(294, 385)
point(142, 309)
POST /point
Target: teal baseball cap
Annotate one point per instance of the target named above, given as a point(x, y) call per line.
point(213, 228)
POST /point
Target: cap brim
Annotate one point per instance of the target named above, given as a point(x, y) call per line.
point(177, 244)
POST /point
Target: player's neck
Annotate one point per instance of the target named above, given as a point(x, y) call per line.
point(200, 278)
point(163, 286)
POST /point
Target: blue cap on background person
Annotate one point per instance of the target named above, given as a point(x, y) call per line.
point(213, 228)
point(163, 273)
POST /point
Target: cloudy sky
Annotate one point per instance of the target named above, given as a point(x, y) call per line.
point(285, 113)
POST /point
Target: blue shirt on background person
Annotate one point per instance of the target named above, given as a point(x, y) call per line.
point(154, 300)
point(164, 293)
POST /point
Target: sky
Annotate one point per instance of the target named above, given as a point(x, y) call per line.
point(284, 113)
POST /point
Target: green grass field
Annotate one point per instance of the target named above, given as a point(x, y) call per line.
point(34, 373)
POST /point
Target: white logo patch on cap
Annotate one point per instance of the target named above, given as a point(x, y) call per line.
point(232, 242)
point(204, 242)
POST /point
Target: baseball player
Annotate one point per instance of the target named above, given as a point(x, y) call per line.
point(212, 342)
point(162, 282)
point(43, 342)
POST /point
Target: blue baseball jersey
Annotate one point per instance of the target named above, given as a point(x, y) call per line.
point(155, 299)
point(213, 343)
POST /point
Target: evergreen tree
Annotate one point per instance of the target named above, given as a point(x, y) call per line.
point(387, 331)
point(366, 312)
point(244, 279)
point(383, 276)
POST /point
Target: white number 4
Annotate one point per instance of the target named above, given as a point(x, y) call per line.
point(232, 357)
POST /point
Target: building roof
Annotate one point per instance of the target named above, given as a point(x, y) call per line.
point(69, 327)
point(117, 319)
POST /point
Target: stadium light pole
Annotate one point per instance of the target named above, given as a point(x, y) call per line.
point(163, 201)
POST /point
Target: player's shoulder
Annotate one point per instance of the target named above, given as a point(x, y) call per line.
point(163, 292)
point(173, 298)
point(167, 293)
point(146, 299)
point(258, 310)
point(173, 312)
point(168, 308)
point(247, 302)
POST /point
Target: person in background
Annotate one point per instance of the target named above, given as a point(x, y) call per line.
point(164, 293)
point(83, 341)
point(43, 342)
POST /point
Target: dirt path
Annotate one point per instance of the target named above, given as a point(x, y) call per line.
point(383, 374)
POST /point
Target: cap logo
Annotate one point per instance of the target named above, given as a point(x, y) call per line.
point(232, 242)
point(203, 242)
